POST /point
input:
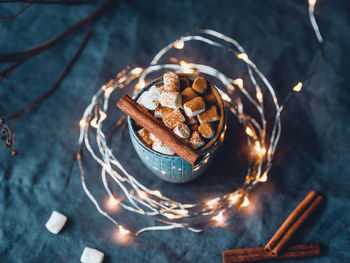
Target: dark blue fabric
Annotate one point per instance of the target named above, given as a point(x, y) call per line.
point(313, 152)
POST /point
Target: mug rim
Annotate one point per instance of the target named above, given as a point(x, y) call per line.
point(207, 145)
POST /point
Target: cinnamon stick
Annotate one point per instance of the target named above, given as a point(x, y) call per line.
point(138, 113)
point(293, 223)
point(259, 253)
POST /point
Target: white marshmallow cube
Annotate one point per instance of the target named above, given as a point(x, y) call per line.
point(56, 222)
point(170, 99)
point(150, 99)
point(91, 255)
point(162, 148)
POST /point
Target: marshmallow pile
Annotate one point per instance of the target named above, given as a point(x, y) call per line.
point(189, 110)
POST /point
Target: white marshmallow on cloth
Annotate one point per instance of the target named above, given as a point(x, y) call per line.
point(56, 222)
point(150, 98)
point(91, 255)
point(170, 99)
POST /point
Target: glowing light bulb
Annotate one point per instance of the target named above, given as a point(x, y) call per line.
point(233, 198)
point(245, 202)
point(182, 212)
point(312, 2)
point(93, 123)
point(243, 56)
point(140, 84)
point(219, 217)
point(170, 216)
point(157, 193)
point(238, 82)
point(211, 203)
point(186, 67)
point(259, 96)
point(249, 132)
point(103, 116)
point(113, 200)
point(225, 97)
point(123, 230)
point(298, 87)
point(142, 194)
point(136, 71)
point(83, 123)
point(179, 44)
point(263, 178)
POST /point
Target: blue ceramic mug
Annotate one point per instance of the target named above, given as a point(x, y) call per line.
point(175, 169)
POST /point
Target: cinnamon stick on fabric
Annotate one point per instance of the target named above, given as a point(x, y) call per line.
point(138, 113)
point(259, 253)
point(293, 223)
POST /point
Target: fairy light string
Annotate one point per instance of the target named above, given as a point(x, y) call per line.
point(262, 138)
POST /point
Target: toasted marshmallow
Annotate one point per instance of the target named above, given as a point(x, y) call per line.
point(196, 140)
point(194, 107)
point(188, 94)
point(210, 115)
point(191, 120)
point(91, 255)
point(145, 136)
point(171, 99)
point(184, 83)
point(199, 85)
point(161, 111)
point(162, 148)
point(56, 222)
point(182, 130)
point(210, 98)
point(207, 130)
point(173, 118)
point(194, 127)
point(171, 82)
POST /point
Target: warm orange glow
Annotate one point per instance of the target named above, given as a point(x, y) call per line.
point(263, 178)
point(259, 96)
point(123, 230)
point(142, 194)
point(157, 193)
point(182, 212)
point(113, 200)
point(140, 84)
point(239, 83)
point(179, 44)
point(258, 149)
point(312, 2)
point(249, 132)
point(186, 67)
point(243, 56)
point(245, 202)
point(112, 204)
point(225, 97)
point(233, 198)
point(219, 217)
point(211, 203)
point(83, 122)
point(298, 87)
point(136, 71)
point(93, 123)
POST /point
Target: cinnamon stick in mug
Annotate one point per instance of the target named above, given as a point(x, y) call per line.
point(139, 114)
point(293, 223)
